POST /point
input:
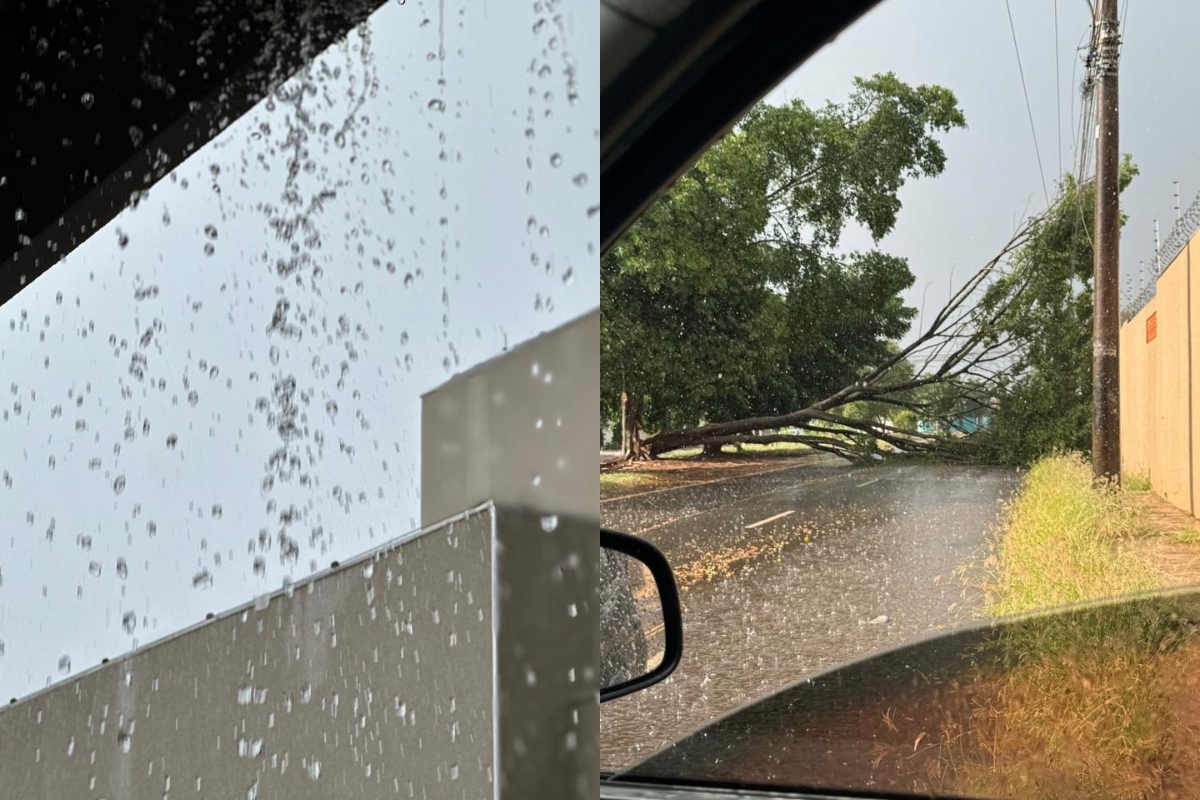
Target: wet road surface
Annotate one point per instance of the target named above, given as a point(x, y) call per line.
point(797, 570)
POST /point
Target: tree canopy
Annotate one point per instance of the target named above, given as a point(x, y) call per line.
point(729, 298)
point(1046, 402)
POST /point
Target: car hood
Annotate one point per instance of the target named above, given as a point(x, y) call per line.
point(1009, 708)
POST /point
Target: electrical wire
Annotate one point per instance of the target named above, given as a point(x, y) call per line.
point(1028, 108)
point(1058, 90)
point(1124, 17)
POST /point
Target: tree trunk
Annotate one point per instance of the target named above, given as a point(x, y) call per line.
point(633, 448)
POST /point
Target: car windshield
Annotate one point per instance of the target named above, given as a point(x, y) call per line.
point(855, 389)
point(274, 229)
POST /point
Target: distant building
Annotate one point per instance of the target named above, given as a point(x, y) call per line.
point(961, 425)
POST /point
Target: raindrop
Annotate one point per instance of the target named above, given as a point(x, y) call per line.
point(64, 665)
point(437, 104)
point(260, 566)
point(94, 569)
point(408, 280)
point(172, 440)
point(87, 99)
point(119, 484)
point(122, 569)
point(556, 160)
point(202, 579)
point(550, 523)
point(210, 231)
point(209, 249)
point(314, 770)
point(217, 511)
point(129, 622)
point(580, 180)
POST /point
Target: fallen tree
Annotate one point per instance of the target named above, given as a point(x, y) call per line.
point(954, 368)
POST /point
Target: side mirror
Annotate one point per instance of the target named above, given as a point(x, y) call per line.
point(641, 627)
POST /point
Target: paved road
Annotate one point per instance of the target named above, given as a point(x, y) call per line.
point(792, 572)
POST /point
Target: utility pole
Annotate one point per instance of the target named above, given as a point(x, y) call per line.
point(1106, 390)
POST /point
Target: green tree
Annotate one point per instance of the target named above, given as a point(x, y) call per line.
point(1046, 297)
point(727, 299)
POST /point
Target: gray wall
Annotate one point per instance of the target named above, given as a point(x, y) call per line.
point(374, 679)
point(424, 669)
point(480, 433)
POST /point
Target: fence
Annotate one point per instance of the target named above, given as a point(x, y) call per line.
point(1177, 239)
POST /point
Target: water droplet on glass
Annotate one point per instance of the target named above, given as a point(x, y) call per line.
point(119, 484)
point(408, 280)
point(549, 522)
point(94, 569)
point(64, 665)
point(129, 622)
point(437, 104)
point(202, 579)
point(580, 180)
point(556, 160)
point(122, 569)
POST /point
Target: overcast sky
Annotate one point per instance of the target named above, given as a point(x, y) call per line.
point(958, 220)
point(148, 382)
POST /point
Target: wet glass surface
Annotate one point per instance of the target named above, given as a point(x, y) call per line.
point(991, 711)
point(218, 392)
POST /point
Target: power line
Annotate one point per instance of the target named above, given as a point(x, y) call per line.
point(1058, 89)
point(1028, 108)
point(1124, 17)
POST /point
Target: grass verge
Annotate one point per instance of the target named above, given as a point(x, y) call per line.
point(1089, 706)
point(616, 482)
point(1062, 542)
point(1136, 482)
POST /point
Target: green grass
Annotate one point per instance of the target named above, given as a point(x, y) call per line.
point(1090, 699)
point(1061, 542)
point(687, 452)
point(612, 479)
point(1136, 482)
point(776, 447)
point(745, 449)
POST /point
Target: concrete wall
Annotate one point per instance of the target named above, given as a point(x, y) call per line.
point(518, 429)
point(458, 661)
point(375, 679)
point(1159, 386)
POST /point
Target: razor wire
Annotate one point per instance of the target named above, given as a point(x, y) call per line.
point(1181, 233)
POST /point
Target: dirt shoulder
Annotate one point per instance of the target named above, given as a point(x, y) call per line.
point(1174, 549)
